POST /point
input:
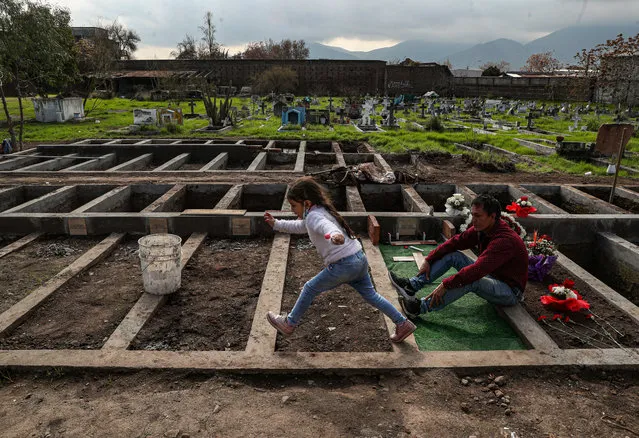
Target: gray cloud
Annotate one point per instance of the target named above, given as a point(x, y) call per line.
point(162, 23)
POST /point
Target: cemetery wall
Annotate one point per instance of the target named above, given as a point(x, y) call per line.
point(418, 79)
point(523, 88)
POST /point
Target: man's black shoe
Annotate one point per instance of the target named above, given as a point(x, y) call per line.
point(402, 285)
point(410, 306)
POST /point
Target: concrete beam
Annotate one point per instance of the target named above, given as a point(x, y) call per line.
point(270, 144)
point(45, 203)
point(13, 316)
point(381, 162)
point(216, 163)
point(134, 164)
point(53, 164)
point(107, 202)
point(175, 163)
point(232, 199)
point(286, 205)
point(19, 244)
point(379, 272)
point(354, 200)
point(339, 154)
point(468, 194)
point(543, 150)
point(262, 338)
point(8, 197)
point(18, 162)
point(610, 295)
point(414, 202)
point(301, 155)
point(100, 163)
point(148, 304)
point(259, 163)
point(171, 198)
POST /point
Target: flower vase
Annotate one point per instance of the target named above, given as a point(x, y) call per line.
point(539, 266)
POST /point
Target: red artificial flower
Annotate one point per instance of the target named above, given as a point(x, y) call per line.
point(542, 317)
point(569, 305)
point(569, 284)
point(524, 198)
point(519, 210)
point(556, 316)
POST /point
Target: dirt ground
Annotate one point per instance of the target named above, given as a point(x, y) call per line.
point(338, 320)
point(25, 270)
point(583, 332)
point(213, 310)
point(434, 403)
point(84, 312)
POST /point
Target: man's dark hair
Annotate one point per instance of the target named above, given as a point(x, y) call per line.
point(489, 204)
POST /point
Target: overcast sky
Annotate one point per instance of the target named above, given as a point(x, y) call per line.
point(353, 25)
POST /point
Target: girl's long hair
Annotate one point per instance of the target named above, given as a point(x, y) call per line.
point(306, 188)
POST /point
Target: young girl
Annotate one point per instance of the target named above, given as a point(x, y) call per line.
point(343, 257)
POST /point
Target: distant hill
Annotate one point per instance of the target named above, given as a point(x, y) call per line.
point(564, 43)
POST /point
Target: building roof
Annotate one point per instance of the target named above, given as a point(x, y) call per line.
point(466, 73)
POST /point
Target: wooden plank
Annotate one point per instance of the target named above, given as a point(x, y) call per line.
point(419, 258)
point(148, 304)
point(213, 212)
point(262, 338)
point(19, 244)
point(13, 316)
point(379, 272)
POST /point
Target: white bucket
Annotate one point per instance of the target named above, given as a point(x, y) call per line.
point(161, 262)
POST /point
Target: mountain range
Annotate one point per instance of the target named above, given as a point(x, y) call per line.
point(564, 44)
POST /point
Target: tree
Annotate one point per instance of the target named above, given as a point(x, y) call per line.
point(276, 80)
point(96, 56)
point(611, 67)
point(542, 63)
point(186, 49)
point(269, 49)
point(208, 48)
point(36, 51)
point(494, 68)
point(126, 39)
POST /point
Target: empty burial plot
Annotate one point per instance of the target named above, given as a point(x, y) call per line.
point(382, 197)
point(337, 195)
point(13, 196)
point(353, 147)
point(436, 195)
point(133, 199)
point(319, 162)
point(63, 200)
point(500, 192)
point(581, 332)
point(353, 159)
point(196, 196)
point(602, 264)
point(261, 197)
point(240, 161)
point(281, 160)
point(564, 199)
point(400, 160)
point(319, 146)
point(84, 312)
point(213, 310)
point(621, 199)
point(30, 267)
point(287, 146)
point(338, 320)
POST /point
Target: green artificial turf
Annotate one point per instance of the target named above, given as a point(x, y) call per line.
point(469, 323)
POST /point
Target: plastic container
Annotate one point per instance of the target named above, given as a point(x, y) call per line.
point(161, 263)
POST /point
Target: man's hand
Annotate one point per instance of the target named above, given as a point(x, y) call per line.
point(269, 219)
point(425, 269)
point(337, 239)
point(437, 296)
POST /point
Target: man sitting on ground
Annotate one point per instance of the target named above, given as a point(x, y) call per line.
point(498, 275)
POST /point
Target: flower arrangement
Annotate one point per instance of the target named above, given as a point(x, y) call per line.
point(563, 297)
point(456, 205)
point(522, 207)
point(541, 245)
point(542, 256)
point(512, 223)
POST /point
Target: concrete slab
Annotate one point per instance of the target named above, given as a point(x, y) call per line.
point(134, 164)
point(46, 202)
point(413, 202)
point(217, 163)
point(232, 199)
point(167, 201)
point(147, 305)
point(18, 162)
point(174, 163)
point(301, 155)
point(354, 200)
point(52, 164)
point(107, 201)
point(262, 338)
point(100, 163)
point(259, 163)
point(13, 316)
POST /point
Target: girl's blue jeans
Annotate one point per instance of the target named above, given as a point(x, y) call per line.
point(492, 290)
point(351, 270)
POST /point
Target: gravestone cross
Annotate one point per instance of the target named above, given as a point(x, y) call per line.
point(192, 105)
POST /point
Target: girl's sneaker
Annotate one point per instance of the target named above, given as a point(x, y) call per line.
point(280, 322)
point(403, 330)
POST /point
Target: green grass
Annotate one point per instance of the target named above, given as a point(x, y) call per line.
point(469, 323)
point(113, 114)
